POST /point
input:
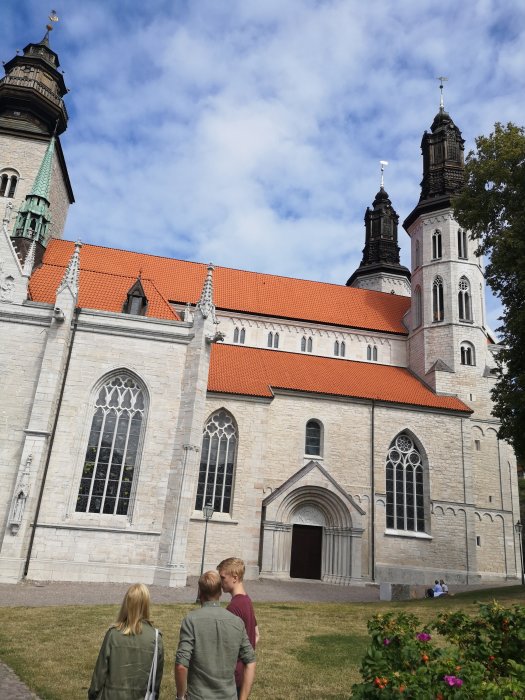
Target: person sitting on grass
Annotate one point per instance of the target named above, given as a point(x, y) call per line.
point(444, 587)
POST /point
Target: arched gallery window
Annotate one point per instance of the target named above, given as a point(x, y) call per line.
point(467, 353)
point(336, 348)
point(306, 344)
point(8, 183)
point(417, 307)
point(405, 508)
point(462, 244)
point(342, 349)
point(464, 300)
point(438, 308)
point(371, 353)
point(437, 250)
point(113, 447)
point(313, 438)
point(239, 335)
point(217, 467)
point(273, 340)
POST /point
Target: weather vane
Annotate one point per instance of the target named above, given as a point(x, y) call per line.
point(383, 163)
point(53, 17)
point(442, 80)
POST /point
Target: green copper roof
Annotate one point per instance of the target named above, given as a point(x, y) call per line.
point(42, 182)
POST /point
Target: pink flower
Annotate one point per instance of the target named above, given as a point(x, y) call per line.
point(386, 642)
point(423, 637)
point(453, 681)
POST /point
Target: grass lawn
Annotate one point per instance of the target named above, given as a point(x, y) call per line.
point(306, 649)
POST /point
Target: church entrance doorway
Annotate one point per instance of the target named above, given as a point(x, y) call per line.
point(307, 545)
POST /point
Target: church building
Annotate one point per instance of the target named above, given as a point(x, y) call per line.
point(321, 431)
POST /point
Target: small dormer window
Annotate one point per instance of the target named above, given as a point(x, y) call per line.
point(136, 303)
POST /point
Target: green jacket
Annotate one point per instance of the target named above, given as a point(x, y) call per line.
point(123, 665)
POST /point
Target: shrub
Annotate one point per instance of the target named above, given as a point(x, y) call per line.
point(454, 656)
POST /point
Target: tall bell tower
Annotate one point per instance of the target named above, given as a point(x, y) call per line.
point(448, 341)
point(380, 268)
point(34, 182)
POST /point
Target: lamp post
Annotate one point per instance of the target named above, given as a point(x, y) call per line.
point(207, 512)
point(519, 530)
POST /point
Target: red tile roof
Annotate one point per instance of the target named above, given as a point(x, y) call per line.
point(107, 274)
point(255, 372)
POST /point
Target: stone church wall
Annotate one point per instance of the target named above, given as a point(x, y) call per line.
point(19, 328)
point(83, 546)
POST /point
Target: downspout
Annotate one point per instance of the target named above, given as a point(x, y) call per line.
point(467, 562)
point(51, 441)
point(372, 496)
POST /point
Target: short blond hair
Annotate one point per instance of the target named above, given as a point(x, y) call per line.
point(134, 609)
point(210, 585)
point(232, 566)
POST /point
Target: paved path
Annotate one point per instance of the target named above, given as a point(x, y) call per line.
point(37, 594)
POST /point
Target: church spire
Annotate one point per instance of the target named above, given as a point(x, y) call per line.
point(32, 89)
point(34, 219)
point(443, 163)
point(381, 263)
point(205, 303)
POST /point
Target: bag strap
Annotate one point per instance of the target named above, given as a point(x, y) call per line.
point(153, 669)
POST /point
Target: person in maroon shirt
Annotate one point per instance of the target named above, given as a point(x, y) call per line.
point(231, 572)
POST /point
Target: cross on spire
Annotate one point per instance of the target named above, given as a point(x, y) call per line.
point(383, 163)
point(442, 79)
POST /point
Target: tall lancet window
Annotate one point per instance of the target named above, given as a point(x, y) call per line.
point(218, 456)
point(464, 300)
point(418, 254)
point(438, 308)
point(462, 244)
point(405, 506)
point(418, 315)
point(113, 448)
point(437, 250)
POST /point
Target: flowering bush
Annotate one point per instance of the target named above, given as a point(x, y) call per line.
point(477, 657)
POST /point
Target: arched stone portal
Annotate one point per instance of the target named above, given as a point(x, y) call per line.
point(311, 497)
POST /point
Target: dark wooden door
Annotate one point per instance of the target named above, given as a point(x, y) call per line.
point(307, 543)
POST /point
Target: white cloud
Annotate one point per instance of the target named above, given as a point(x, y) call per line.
point(250, 132)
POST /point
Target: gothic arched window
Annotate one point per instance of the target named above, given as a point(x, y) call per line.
point(418, 316)
point(437, 251)
point(462, 244)
point(313, 438)
point(467, 353)
point(309, 345)
point(217, 466)
point(464, 300)
point(276, 340)
point(113, 448)
point(270, 339)
point(342, 349)
point(236, 335)
point(336, 348)
point(371, 353)
point(438, 307)
point(8, 183)
point(405, 507)
point(242, 336)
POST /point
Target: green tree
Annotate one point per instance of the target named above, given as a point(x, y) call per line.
point(492, 207)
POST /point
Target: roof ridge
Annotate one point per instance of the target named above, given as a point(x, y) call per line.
point(97, 272)
point(364, 292)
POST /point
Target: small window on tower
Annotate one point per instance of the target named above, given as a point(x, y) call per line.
point(8, 183)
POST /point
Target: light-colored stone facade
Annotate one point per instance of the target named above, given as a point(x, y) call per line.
point(54, 363)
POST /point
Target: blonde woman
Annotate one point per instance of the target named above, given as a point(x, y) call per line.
point(125, 659)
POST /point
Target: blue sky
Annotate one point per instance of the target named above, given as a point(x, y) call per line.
point(249, 132)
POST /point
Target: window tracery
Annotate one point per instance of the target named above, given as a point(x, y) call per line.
point(112, 453)
point(438, 307)
point(405, 507)
point(437, 249)
point(217, 465)
point(464, 300)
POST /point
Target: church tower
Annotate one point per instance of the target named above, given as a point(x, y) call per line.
point(380, 268)
point(34, 182)
point(448, 338)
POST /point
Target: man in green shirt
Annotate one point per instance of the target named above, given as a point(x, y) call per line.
point(211, 640)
